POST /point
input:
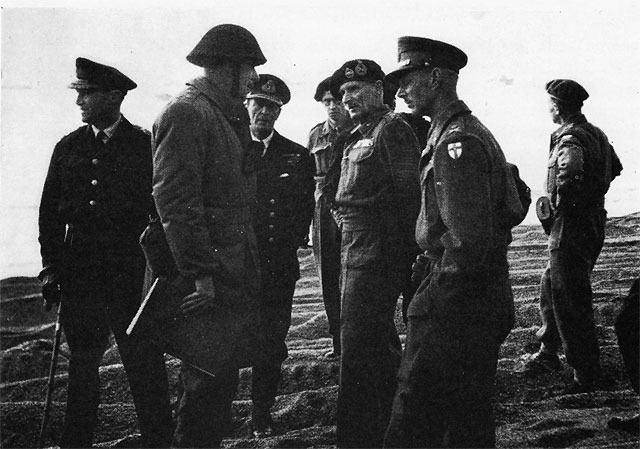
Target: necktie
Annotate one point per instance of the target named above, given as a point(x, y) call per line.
point(101, 137)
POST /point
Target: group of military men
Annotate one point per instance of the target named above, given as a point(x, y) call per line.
point(401, 208)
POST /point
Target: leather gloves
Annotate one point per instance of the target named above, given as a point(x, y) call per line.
point(51, 292)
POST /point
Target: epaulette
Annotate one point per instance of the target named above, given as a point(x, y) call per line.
point(140, 128)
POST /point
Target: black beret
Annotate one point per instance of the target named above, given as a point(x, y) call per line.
point(420, 52)
point(324, 86)
point(567, 90)
point(227, 42)
point(92, 75)
point(271, 88)
point(355, 70)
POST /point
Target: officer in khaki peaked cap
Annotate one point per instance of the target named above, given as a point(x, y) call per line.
point(463, 308)
point(582, 163)
point(95, 203)
point(422, 53)
point(284, 209)
point(204, 186)
point(375, 202)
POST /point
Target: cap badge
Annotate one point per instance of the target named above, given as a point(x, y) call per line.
point(348, 72)
point(269, 87)
point(455, 150)
point(361, 69)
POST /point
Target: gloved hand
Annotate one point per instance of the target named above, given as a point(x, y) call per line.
point(51, 292)
point(202, 299)
point(420, 269)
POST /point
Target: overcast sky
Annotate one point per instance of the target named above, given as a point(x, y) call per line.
point(514, 48)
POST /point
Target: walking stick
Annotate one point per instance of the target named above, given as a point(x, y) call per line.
point(52, 372)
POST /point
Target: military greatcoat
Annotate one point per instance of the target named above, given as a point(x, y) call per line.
point(204, 189)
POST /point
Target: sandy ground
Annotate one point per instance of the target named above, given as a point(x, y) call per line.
point(530, 412)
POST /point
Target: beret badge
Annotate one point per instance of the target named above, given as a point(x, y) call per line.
point(269, 87)
point(361, 69)
point(348, 72)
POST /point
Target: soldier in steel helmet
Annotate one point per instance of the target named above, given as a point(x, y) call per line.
point(375, 202)
point(98, 189)
point(326, 235)
point(582, 163)
point(463, 308)
point(204, 190)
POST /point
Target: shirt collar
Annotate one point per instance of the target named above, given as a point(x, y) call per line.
point(266, 141)
point(577, 119)
point(108, 131)
point(453, 108)
point(372, 120)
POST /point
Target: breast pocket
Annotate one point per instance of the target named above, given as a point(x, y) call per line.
point(553, 158)
point(358, 166)
point(321, 156)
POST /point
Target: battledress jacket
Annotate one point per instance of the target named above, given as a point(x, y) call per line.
point(204, 190)
point(469, 204)
point(103, 193)
point(582, 163)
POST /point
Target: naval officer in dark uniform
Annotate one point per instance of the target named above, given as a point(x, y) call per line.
point(284, 211)
point(98, 192)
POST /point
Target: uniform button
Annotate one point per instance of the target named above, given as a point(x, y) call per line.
point(92, 203)
point(272, 214)
point(94, 161)
point(270, 226)
point(271, 240)
point(94, 182)
point(272, 201)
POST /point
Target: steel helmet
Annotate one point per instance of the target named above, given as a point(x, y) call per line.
point(227, 42)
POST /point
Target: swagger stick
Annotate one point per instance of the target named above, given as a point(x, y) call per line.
point(52, 373)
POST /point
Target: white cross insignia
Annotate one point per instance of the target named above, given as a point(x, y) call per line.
point(455, 150)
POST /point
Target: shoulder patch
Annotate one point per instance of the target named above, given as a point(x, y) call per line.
point(567, 138)
point(455, 150)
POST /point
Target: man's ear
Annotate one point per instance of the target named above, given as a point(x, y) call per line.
point(379, 88)
point(435, 78)
point(116, 96)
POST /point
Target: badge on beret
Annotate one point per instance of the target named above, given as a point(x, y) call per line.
point(455, 150)
point(348, 72)
point(361, 69)
point(269, 87)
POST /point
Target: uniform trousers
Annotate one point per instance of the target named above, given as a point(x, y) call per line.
point(326, 251)
point(104, 302)
point(275, 316)
point(203, 415)
point(627, 330)
point(566, 298)
point(372, 278)
point(445, 388)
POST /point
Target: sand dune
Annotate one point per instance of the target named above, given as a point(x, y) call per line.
point(530, 411)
